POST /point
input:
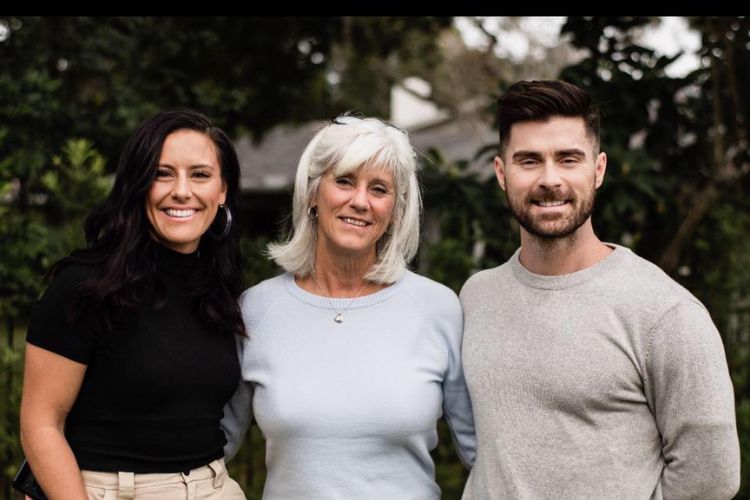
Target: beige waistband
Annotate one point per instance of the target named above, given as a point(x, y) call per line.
point(126, 482)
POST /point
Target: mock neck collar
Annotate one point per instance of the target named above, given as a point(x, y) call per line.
point(173, 261)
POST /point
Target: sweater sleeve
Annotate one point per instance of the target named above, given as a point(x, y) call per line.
point(457, 409)
point(238, 412)
point(693, 402)
point(237, 418)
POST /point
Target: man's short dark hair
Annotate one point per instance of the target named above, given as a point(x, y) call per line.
point(541, 100)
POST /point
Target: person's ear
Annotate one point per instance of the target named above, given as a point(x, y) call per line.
point(500, 171)
point(223, 198)
point(601, 168)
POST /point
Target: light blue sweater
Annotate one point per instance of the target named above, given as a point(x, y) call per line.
point(349, 410)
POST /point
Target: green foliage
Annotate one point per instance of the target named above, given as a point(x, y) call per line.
point(449, 472)
point(467, 224)
point(40, 222)
point(25, 250)
point(100, 77)
point(248, 467)
point(256, 266)
point(49, 226)
point(11, 366)
point(75, 183)
point(76, 179)
point(378, 52)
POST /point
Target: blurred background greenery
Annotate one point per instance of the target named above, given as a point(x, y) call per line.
point(73, 89)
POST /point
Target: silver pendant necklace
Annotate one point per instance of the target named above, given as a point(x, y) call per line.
point(339, 318)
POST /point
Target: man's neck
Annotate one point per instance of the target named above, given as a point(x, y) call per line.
point(554, 257)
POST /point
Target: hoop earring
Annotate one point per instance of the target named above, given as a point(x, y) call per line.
point(228, 224)
point(312, 213)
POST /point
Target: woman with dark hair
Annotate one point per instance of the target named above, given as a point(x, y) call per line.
point(131, 352)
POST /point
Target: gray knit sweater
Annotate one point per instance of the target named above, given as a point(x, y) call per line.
point(606, 383)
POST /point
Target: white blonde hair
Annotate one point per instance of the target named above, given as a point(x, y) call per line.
point(345, 145)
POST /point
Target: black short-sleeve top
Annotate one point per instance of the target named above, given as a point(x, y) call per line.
point(155, 384)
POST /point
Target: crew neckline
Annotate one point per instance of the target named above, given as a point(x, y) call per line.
point(558, 282)
point(341, 302)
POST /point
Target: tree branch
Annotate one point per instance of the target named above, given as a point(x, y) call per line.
point(724, 171)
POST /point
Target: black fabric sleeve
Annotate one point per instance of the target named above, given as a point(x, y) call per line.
point(49, 327)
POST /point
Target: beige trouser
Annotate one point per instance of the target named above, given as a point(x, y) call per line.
point(208, 482)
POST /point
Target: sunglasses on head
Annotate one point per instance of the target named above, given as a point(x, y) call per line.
point(349, 119)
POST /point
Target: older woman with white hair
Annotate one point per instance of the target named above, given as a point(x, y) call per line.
point(350, 358)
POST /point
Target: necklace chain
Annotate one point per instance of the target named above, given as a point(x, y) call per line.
point(339, 318)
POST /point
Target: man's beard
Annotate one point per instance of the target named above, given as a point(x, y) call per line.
point(549, 229)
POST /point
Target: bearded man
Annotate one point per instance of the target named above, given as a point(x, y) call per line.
point(592, 374)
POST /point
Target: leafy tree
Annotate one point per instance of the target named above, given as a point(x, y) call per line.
point(474, 227)
point(48, 228)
